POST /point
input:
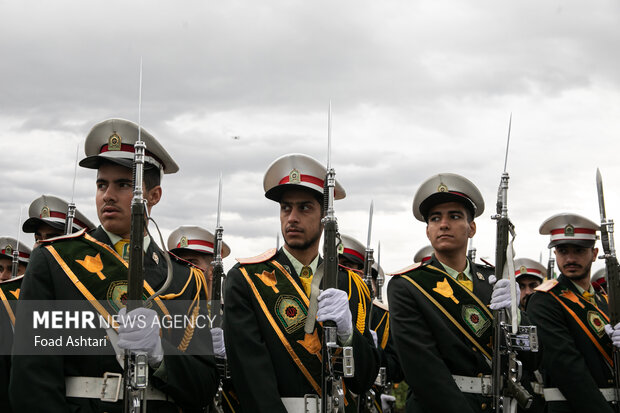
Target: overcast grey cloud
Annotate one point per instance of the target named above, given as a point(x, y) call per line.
point(417, 88)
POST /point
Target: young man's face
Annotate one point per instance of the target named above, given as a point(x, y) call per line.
point(300, 219)
point(113, 198)
point(527, 284)
point(447, 228)
point(6, 268)
point(45, 231)
point(575, 261)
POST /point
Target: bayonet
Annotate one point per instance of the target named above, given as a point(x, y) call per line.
point(71, 206)
point(369, 259)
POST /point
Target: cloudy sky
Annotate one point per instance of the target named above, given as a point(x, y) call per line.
point(417, 88)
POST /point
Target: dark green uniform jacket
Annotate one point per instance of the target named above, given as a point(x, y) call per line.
point(262, 370)
point(38, 381)
point(9, 293)
point(570, 359)
point(431, 348)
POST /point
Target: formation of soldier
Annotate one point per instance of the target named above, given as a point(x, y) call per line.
point(270, 352)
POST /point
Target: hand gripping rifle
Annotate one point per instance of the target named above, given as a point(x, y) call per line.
point(613, 277)
point(508, 337)
point(331, 379)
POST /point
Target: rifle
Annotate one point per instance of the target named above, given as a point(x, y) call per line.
point(366, 400)
point(471, 251)
point(613, 277)
point(215, 296)
point(71, 205)
point(507, 338)
point(380, 277)
point(15, 254)
point(550, 266)
point(332, 393)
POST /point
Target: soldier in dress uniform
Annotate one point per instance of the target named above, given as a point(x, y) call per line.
point(9, 294)
point(195, 244)
point(441, 325)
point(571, 319)
point(423, 254)
point(273, 362)
point(599, 280)
point(529, 274)
point(352, 256)
point(7, 246)
point(47, 217)
point(94, 267)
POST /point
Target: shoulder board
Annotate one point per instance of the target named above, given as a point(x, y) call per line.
point(546, 286)
point(406, 269)
point(13, 280)
point(380, 304)
point(259, 258)
point(63, 237)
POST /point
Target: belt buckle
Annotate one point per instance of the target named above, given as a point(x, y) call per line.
point(116, 392)
point(317, 404)
point(486, 387)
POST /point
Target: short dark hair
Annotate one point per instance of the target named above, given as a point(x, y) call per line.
point(152, 178)
point(468, 211)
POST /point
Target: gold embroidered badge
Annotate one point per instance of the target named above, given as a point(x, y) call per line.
point(114, 142)
point(311, 343)
point(93, 264)
point(45, 212)
point(15, 293)
point(443, 288)
point(269, 279)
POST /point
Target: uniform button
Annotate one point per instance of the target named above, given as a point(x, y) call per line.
point(483, 406)
point(480, 374)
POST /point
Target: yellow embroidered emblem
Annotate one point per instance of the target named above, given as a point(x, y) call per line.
point(93, 264)
point(443, 288)
point(269, 279)
point(45, 212)
point(311, 343)
point(15, 293)
point(568, 294)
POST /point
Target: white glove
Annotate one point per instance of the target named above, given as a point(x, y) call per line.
point(614, 334)
point(334, 306)
point(387, 402)
point(138, 331)
point(217, 335)
point(500, 298)
point(373, 333)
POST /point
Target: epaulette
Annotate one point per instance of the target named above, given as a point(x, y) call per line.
point(546, 286)
point(63, 237)
point(270, 253)
point(406, 269)
point(380, 304)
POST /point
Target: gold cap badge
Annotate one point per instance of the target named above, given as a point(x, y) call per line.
point(442, 188)
point(114, 142)
point(523, 269)
point(294, 177)
point(183, 243)
point(45, 212)
point(8, 250)
point(569, 231)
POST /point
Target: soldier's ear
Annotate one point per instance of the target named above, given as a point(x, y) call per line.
point(153, 196)
point(595, 254)
point(472, 229)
